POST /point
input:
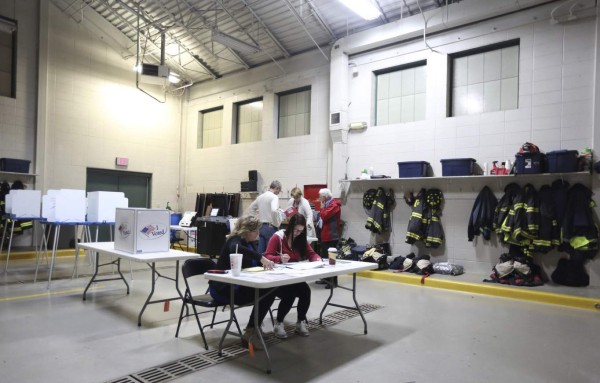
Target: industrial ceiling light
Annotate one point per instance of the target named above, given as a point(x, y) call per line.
point(174, 78)
point(364, 8)
point(233, 43)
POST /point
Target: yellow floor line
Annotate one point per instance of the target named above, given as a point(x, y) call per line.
point(513, 292)
point(48, 293)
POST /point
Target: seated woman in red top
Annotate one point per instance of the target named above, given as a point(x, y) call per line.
point(291, 245)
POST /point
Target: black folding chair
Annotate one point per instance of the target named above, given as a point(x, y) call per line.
point(191, 268)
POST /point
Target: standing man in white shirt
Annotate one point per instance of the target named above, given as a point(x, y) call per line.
point(266, 208)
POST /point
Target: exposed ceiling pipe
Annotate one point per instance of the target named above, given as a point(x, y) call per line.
point(138, 63)
point(293, 11)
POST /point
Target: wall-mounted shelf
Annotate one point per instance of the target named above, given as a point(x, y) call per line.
point(514, 177)
point(18, 174)
point(476, 181)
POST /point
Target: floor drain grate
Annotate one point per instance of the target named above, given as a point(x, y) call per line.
point(196, 362)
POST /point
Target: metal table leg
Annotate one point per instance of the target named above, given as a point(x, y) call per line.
point(155, 276)
point(356, 305)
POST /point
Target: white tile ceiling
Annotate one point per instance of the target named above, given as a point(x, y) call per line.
point(280, 28)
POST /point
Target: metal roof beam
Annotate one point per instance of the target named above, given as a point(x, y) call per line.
point(267, 30)
point(299, 19)
point(211, 27)
point(321, 20)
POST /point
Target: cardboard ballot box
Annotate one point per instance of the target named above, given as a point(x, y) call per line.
point(142, 230)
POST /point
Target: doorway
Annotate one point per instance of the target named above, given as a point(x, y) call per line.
point(136, 187)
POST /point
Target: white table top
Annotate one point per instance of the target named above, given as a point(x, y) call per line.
point(109, 248)
point(285, 276)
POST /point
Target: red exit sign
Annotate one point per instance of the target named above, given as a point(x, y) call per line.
point(122, 161)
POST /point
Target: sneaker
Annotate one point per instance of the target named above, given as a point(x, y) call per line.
point(250, 337)
point(279, 330)
point(302, 328)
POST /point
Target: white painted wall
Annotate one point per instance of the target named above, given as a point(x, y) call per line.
point(295, 161)
point(95, 113)
point(17, 115)
point(556, 111)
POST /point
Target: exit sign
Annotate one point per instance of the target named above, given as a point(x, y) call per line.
point(122, 161)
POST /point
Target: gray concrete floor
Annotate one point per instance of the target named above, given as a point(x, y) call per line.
point(419, 335)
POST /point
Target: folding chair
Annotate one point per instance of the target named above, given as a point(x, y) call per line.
point(191, 268)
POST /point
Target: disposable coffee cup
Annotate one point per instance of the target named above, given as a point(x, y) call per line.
point(332, 254)
point(236, 264)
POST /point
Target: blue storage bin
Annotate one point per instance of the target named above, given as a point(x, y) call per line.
point(562, 161)
point(530, 163)
point(412, 169)
point(458, 166)
point(14, 165)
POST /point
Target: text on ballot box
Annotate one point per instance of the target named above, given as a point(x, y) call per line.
point(142, 230)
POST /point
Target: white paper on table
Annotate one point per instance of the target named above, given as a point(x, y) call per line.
point(304, 265)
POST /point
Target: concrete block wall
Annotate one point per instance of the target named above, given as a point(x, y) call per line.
point(95, 114)
point(295, 161)
point(557, 72)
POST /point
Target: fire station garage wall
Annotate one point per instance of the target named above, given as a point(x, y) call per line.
point(17, 115)
point(295, 161)
point(555, 111)
point(95, 114)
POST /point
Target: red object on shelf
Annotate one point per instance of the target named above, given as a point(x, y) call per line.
point(311, 193)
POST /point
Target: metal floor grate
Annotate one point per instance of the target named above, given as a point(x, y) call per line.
point(175, 369)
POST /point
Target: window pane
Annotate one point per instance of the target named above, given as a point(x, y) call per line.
point(249, 121)
point(475, 69)
point(382, 112)
point(383, 86)
point(491, 96)
point(510, 62)
point(408, 82)
point(209, 131)
point(395, 84)
point(7, 52)
point(396, 93)
point(294, 114)
point(492, 66)
point(492, 79)
point(461, 70)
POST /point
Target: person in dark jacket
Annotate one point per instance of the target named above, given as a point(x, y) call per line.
point(241, 240)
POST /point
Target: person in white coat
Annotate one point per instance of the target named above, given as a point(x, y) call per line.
point(266, 208)
point(302, 205)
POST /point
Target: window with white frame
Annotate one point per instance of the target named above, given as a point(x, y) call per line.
point(210, 128)
point(249, 121)
point(294, 113)
point(8, 55)
point(485, 79)
point(400, 94)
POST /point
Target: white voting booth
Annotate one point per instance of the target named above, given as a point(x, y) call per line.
point(24, 203)
point(64, 205)
point(102, 205)
point(142, 230)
